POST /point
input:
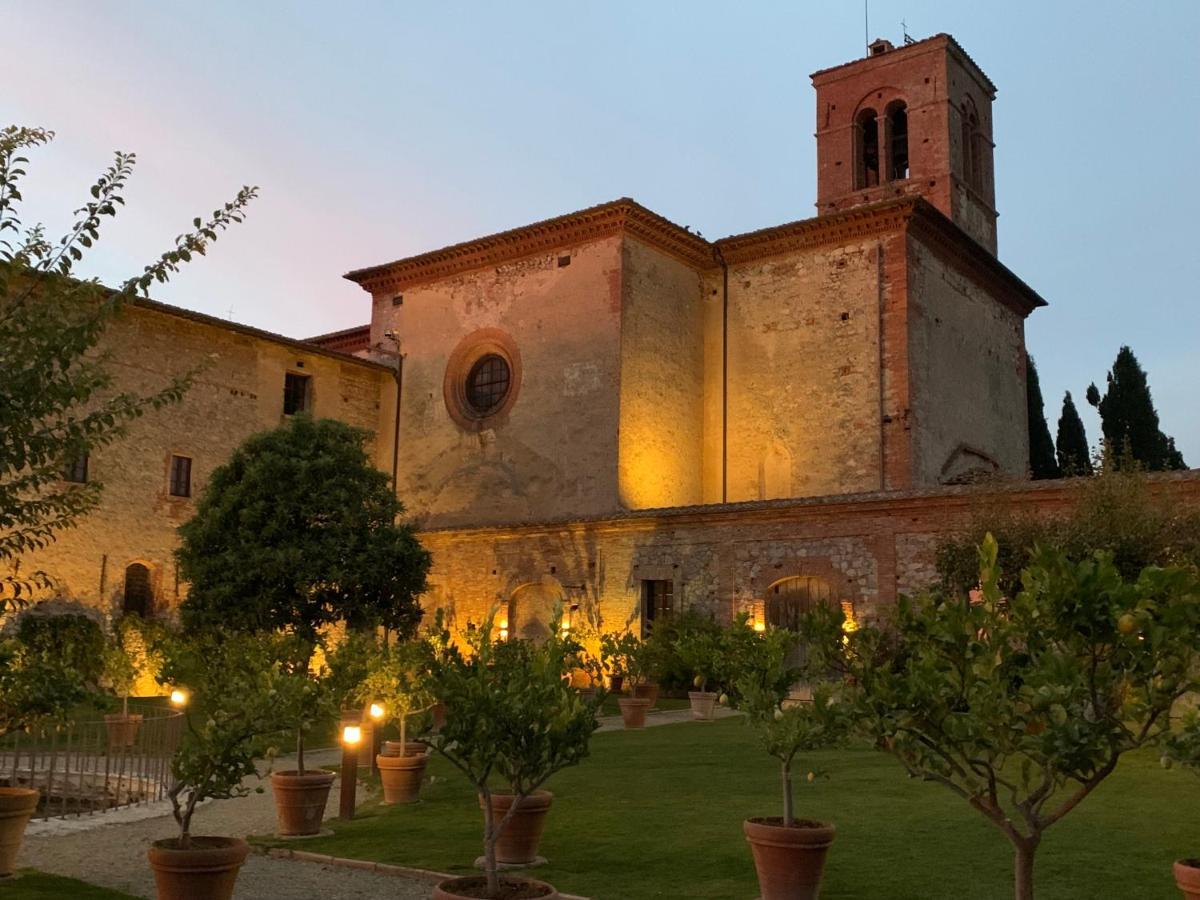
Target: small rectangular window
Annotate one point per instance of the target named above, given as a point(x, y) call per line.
point(295, 393)
point(77, 469)
point(658, 603)
point(181, 476)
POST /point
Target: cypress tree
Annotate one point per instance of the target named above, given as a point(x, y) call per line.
point(1129, 420)
point(1071, 444)
point(1042, 463)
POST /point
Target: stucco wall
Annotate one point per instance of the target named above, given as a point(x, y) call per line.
point(804, 369)
point(967, 358)
point(555, 451)
point(237, 392)
point(662, 373)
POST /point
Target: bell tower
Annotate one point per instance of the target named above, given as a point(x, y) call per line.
point(907, 120)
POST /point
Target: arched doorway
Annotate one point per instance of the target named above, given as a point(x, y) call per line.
point(531, 609)
point(139, 592)
point(787, 602)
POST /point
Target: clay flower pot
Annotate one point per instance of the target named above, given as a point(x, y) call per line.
point(401, 775)
point(17, 806)
point(475, 887)
point(646, 692)
point(633, 711)
point(300, 801)
point(207, 870)
point(703, 703)
point(518, 842)
point(122, 729)
point(790, 858)
point(392, 748)
point(1187, 877)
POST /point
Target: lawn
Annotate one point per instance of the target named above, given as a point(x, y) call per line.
point(30, 885)
point(658, 813)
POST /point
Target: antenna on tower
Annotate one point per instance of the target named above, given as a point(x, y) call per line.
point(904, 28)
point(867, 26)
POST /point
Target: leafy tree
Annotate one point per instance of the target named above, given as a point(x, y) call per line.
point(72, 640)
point(1042, 463)
point(1071, 445)
point(1023, 703)
point(399, 679)
point(1129, 420)
point(240, 685)
point(57, 399)
point(35, 689)
point(511, 717)
point(298, 532)
point(787, 729)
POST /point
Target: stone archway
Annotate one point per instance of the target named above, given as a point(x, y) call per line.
point(138, 595)
point(531, 609)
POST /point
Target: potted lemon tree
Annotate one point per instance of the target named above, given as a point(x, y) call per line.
point(398, 680)
point(512, 721)
point(237, 685)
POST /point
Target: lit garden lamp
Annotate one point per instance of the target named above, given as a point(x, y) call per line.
point(351, 736)
point(179, 698)
point(376, 711)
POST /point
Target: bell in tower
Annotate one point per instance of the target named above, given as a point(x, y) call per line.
point(910, 120)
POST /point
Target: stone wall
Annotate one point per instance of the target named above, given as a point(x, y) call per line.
point(725, 558)
point(238, 391)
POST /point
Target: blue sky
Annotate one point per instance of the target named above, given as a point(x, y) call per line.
point(379, 130)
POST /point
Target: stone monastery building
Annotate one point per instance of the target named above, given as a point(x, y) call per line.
point(608, 410)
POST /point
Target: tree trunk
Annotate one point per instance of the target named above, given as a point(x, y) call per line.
point(787, 793)
point(403, 734)
point(300, 751)
point(489, 845)
point(1023, 854)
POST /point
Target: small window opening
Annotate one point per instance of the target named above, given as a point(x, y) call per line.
point(867, 134)
point(76, 470)
point(898, 139)
point(658, 604)
point(564, 261)
point(972, 147)
point(139, 593)
point(398, 300)
point(295, 393)
point(181, 476)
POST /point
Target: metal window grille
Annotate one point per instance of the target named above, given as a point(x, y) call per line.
point(487, 384)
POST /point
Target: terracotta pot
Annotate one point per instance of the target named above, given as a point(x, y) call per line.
point(401, 775)
point(207, 870)
point(647, 692)
point(703, 703)
point(122, 729)
point(392, 748)
point(1187, 877)
point(300, 800)
point(17, 806)
point(475, 887)
point(518, 842)
point(789, 859)
point(633, 711)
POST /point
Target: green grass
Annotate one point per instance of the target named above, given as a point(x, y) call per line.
point(658, 813)
point(30, 885)
point(610, 707)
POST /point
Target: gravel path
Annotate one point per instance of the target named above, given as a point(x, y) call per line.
point(113, 854)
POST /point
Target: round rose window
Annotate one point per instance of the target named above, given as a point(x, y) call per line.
point(487, 384)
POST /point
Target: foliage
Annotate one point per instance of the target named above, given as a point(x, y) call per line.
point(1183, 746)
point(1071, 445)
point(1023, 703)
point(1117, 512)
point(787, 728)
point(1042, 462)
point(398, 677)
point(72, 640)
point(298, 531)
point(1129, 420)
point(662, 660)
point(511, 717)
point(35, 689)
point(625, 656)
point(712, 656)
point(132, 651)
point(241, 687)
point(57, 400)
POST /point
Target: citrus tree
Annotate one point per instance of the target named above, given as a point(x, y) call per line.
point(512, 719)
point(1024, 704)
point(398, 678)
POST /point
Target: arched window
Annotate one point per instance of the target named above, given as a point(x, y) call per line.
point(787, 602)
point(897, 125)
point(139, 594)
point(972, 146)
point(866, 155)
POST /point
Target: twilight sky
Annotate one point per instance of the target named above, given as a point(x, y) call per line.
point(381, 130)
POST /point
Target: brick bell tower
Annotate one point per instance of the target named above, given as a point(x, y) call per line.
point(910, 120)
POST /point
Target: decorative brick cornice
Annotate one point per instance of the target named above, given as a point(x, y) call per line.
point(915, 48)
point(623, 216)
